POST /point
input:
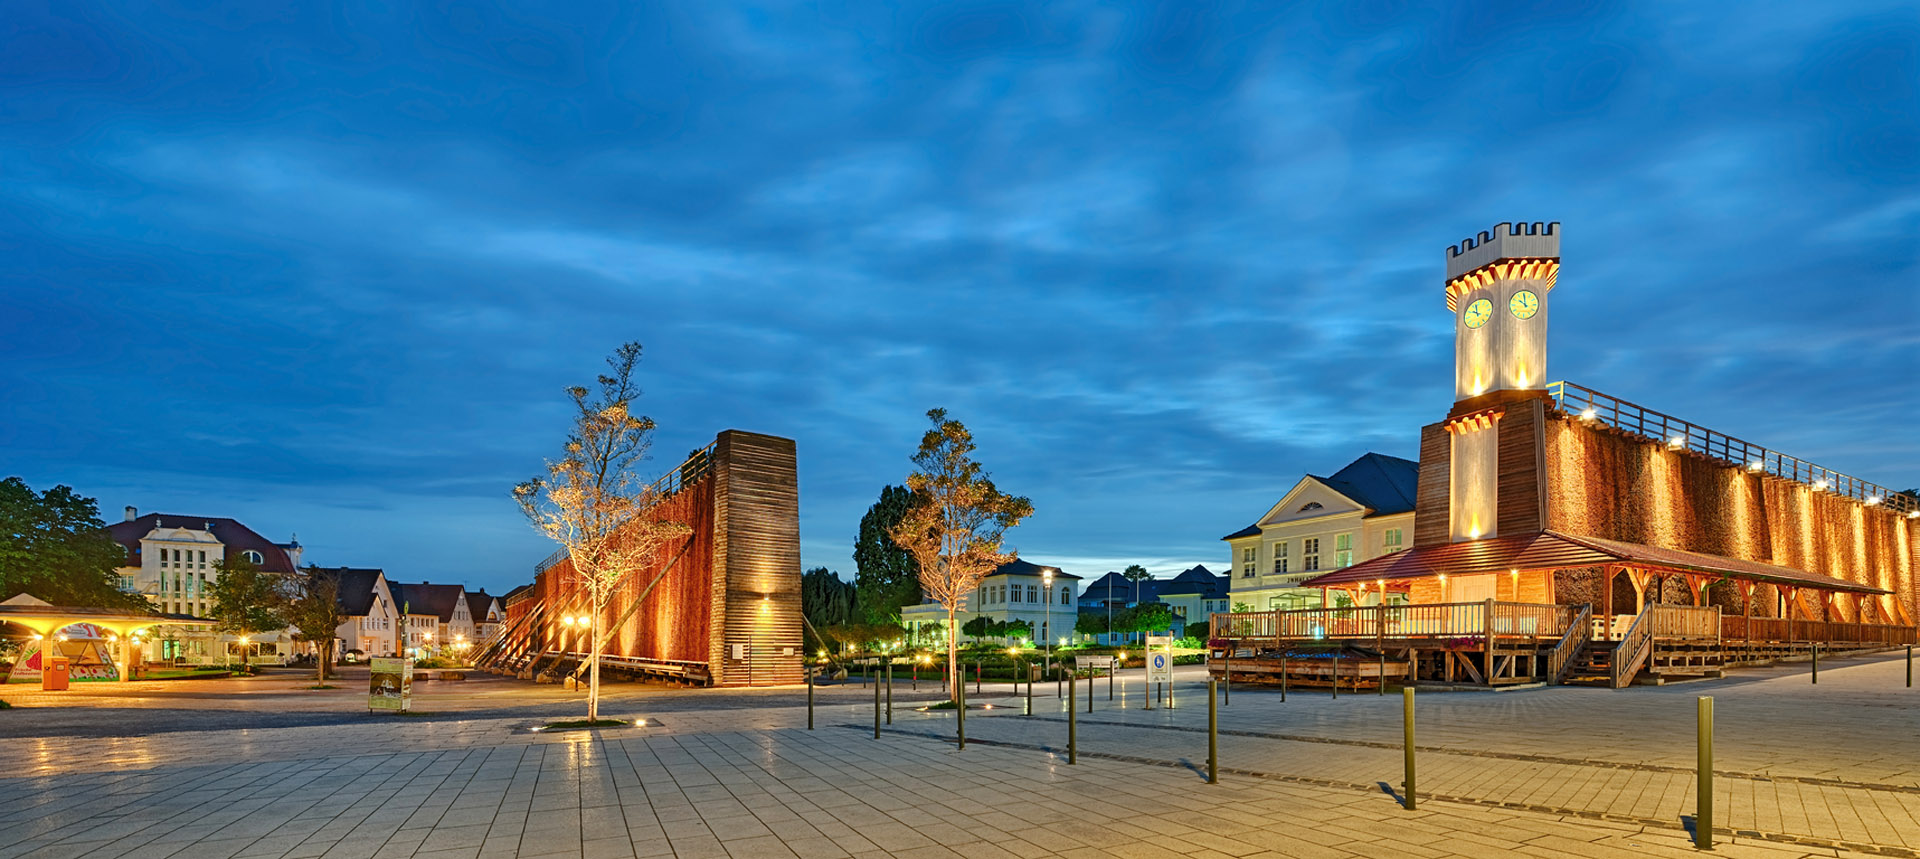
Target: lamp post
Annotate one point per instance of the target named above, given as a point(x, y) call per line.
point(428, 638)
point(1046, 584)
point(243, 641)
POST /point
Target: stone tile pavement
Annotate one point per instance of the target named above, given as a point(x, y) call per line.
point(752, 782)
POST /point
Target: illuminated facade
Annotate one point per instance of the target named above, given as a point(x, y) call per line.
point(724, 608)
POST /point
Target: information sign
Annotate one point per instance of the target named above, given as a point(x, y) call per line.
point(1159, 659)
point(391, 684)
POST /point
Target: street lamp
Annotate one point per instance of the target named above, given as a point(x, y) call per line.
point(1046, 584)
point(244, 641)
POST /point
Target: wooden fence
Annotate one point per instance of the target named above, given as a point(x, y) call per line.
point(1433, 621)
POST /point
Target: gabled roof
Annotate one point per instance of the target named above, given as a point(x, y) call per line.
point(1021, 567)
point(1198, 580)
point(1249, 531)
point(1552, 550)
point(425, 598)
point(478, 602)
point(356, 588)
point(233, 536)
point(1385, 484)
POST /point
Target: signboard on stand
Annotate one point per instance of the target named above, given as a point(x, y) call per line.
point(391, 686)
point(1159, 659)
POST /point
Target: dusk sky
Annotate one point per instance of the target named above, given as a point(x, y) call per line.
point(328, 272)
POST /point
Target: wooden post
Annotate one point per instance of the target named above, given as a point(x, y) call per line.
point(889, 691)
point(1213, 732)
point(1487, 648)
point(960, 716)
point(1283, 673)
point(1073, 726)
point(1226, 674)
point(809, 697)
point(1703, 797)
point(1606, 591)
point(1406, 719)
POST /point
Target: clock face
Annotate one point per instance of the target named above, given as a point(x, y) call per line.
point(1478, 313)
point(1524, 304)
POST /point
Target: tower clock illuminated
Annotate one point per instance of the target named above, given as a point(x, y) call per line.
point(1511, 269)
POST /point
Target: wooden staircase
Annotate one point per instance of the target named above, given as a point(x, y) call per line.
point(1593, 666)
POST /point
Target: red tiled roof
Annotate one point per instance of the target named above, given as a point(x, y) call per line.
point(1552, 550)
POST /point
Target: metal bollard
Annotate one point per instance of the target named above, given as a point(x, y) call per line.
point(1909, 666)
point(889, 693)
point(1283, 678)
point(960, 714)
point(1703, 801)
point(1213, 732)
point(1382, 678)
point(1816, 663)
point(1406, 716)
point(876, 711)
point(1089, 690)
point(1336, 678)
point(977, 682)
point(1073, 726)
point(1112, 669)
point(1226, 674)
point(809, 697)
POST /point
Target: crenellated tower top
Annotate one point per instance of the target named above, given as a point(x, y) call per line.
point(1470, 263)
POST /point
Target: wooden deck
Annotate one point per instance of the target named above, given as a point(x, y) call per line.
point(1495, 643)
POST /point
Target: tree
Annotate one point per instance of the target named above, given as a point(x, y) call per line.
point(1201, 630)
point(978, 628)
point(315, 611)
point(594, 504)
point(1090, 623)
point(1136, 574)
point(825, 600)
point(956, 525)
point(247, 600)
point(54, 547)
point(885, 575)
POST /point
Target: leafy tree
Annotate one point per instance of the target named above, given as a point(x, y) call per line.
point(246, 599)
point(825, 600)
point(315, 610)
point(1135, 574)
point(1146, 617)
point(1242, 607)
point(1091, 623)
point(978, 628)
point(54, 546)
point(594, 503)
point(956, 525)
point(885, 575)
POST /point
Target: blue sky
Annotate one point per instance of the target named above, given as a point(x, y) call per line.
point(328, 272)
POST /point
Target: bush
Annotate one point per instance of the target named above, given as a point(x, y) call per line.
point(1200, 630)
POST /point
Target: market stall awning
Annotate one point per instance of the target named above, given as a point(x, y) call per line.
point(1552, 550)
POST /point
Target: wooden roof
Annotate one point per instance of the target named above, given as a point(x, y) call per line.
point(1552, 550)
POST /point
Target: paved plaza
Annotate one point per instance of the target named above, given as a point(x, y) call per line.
point(1802, 770)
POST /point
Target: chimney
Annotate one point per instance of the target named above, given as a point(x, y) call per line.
point(132, 513)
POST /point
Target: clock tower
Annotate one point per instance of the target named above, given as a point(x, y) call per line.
point(1497, 288)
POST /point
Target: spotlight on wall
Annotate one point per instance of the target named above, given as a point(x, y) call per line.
point(1755, 465)
point(1872, 500)
point(1677, 442)
point(1589, 414)
point(1820, 486)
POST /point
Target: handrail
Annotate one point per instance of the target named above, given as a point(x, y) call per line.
point(1423, 620)
point(1635, 647)
point(1579, 632)
point(1588, 404)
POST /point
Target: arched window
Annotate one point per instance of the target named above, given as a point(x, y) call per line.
point(253, 557)
point(1311, 505)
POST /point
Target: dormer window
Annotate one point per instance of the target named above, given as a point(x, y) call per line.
point(1311, 505)
point(253, 557)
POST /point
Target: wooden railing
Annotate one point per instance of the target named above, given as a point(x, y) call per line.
point(1683, 621)
point(1579, 632)
point(1635, 648)
point(1589, 404)
point(1773, 629)
point(1438, 620)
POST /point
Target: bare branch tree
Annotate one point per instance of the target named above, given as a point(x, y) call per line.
point(593, 502)
point(955, 527)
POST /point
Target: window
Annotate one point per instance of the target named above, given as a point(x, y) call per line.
point(1279, 557)
point(1033, 593)
point(1391, 542)
point(253, 557)
point(1342, 550)
point(1013, 593)
point(1311, 505)
point(1066, 595)
point(203, 560)
point(1248, 558)
point(1310, 554)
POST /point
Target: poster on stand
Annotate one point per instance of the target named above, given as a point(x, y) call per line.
point(391, 684)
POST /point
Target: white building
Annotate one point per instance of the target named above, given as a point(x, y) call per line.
point(372, 619)
point(1015, 591)
point(1362, 511)
point(172, 559)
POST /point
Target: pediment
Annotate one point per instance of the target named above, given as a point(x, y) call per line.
point(1309, 499)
